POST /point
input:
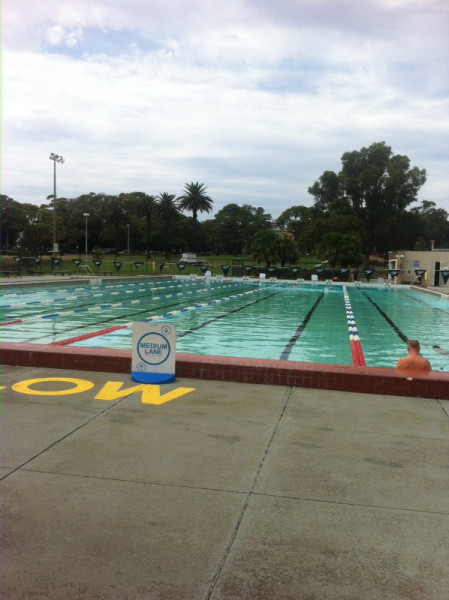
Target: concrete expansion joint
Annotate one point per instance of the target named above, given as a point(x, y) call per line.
point(356, 504)
point(134, 481)
point(444, 406)
point(65, 436)
point(248, 497)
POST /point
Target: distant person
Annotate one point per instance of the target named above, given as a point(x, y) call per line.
point(440, 350)
point(414, 361)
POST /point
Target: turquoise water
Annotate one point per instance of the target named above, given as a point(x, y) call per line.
point(299, 322)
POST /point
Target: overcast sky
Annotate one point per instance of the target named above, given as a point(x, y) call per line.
point(253, 98)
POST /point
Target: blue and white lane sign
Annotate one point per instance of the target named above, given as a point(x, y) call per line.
point(153, 352)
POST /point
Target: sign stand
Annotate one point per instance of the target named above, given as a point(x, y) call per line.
point(153, 352)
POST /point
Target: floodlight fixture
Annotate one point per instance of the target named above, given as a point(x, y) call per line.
point(56, 158)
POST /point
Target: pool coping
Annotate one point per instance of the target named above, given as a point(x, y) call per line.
point(369, 380)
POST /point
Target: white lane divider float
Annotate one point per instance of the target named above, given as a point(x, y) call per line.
point(358, 360)
point(153, 318)
point(107, 306)
point(149, 288)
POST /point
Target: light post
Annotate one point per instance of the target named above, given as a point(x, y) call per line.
point(128, 226)
point(55, 158)
point(86, 215)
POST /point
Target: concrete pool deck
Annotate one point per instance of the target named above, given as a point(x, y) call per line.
point(219, 490)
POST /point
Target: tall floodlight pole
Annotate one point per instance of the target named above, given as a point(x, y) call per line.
point(128, 226)
point(55, 158)
point(86, 215)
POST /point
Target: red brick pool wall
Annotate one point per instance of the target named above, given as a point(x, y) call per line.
point(369, 380)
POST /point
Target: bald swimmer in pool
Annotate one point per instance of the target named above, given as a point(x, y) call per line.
point(413, 362)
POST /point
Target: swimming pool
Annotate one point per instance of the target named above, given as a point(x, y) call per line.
point(249, 319)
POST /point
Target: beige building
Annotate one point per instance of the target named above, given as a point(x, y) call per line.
point(435, 265)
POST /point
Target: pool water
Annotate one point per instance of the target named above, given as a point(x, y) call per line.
point(269, 320)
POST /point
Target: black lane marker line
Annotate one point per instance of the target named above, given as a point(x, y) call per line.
point(79, 305)
point(434, 346)
point(120, 297)
point(288, 348)
point(403, 337)
point(428, 305)
point(226, 315)
point(109, 320)
point(76, 303)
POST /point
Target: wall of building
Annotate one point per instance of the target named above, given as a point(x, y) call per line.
point(408, 260)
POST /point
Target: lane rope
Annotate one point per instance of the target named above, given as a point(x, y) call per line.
point(358, 359)
point(97, 295)
point(93, 334)
point(107, 306)
point(85, 287)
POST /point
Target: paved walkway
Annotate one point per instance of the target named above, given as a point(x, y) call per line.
point(207, 490)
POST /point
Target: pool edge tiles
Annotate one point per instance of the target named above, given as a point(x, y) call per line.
point(369, 380)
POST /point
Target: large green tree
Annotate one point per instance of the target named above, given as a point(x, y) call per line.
point(13, 220)
point(195, 200)
point(116, 219)
point(237, 225)
point(295, 219)
point(375, 186)
point(269, 246)
point(316, 228)
point(37, 235)
point(141, 208)
point(339, 249)
point(265, 246)
point(370, 197)
point(287, 251)
point(167, 209)
point(328, 194)
point(433, 224)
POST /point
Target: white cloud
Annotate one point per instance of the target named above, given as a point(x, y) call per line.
point(255, 100)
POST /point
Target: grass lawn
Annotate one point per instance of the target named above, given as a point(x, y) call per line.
point(130, 265)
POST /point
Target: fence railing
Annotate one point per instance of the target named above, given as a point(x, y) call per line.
point(234, 268)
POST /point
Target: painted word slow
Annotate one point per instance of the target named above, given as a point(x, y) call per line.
point(110, 391)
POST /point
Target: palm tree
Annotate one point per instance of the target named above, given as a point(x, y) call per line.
point(167, 209)
point(196, 200)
